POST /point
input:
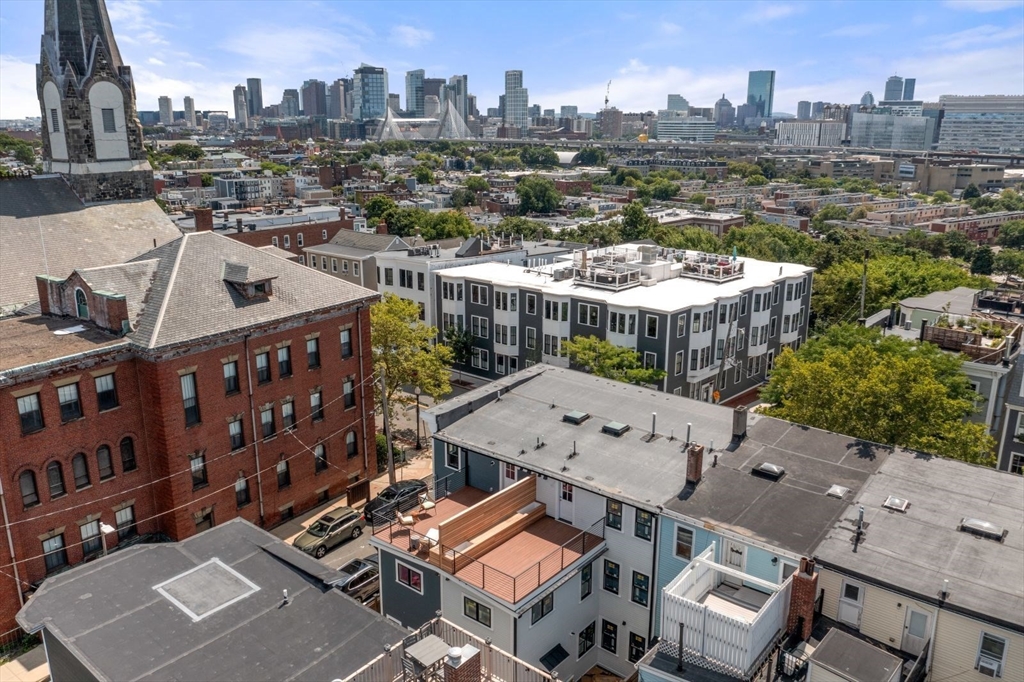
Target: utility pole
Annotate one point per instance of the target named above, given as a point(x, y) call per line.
point(863, 288)
point(387, 423)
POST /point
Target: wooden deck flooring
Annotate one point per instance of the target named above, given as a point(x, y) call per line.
point(446, 508)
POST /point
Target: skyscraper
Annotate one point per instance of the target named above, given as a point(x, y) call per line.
point(336, 108)
point(908, 88)
point(867, 99)
point(816, 109)
point(569, 111)
point(369, 92)
point(893, 89)
point(433, 86)
point(241, 107)
point(517, 101)
point(803, 110)
point(471, 105)
point(431, 106)
point(394, 102)
point(677, 103)
point(988, 123)
point(725, 114)
point(458, 95)
point(290, 103)
point(254, 96)
point(166, 111)
point(190, 113)
point(314, 98)
point(414, 92)
point(761, 92)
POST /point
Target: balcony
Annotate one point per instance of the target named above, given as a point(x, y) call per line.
point(503, 543)
point(985, 340)
point(710, 267)
point(723, 624)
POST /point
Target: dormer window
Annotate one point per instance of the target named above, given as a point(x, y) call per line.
point(248, 281)
point(81, 304)
point(260, 288)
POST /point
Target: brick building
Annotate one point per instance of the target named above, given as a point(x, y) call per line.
point(201, 381)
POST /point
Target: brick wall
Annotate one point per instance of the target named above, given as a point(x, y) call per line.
point(312, 234)
point(802, 598)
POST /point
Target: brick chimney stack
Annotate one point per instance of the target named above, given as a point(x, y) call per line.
point(802, 598)
point(204, 219)
point(694, 463)
point(462, 668)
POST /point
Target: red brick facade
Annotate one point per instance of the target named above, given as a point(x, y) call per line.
point(150, 412)
point(287, 236)
point(802, 600)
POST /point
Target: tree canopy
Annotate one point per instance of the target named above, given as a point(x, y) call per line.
point(21, 149)
point(604, 359)
point(537, 195)
point(475, 183)
point(853, 381)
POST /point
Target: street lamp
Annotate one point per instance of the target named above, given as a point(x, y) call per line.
point(416, 391)
point(105, 530)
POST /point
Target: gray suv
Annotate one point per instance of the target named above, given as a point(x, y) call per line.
point(330, 530)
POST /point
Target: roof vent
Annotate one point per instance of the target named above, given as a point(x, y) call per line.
point(575, 417)
point(615, 428)
point(769, 470)
point(837, 491)
point(896, 504)
point(982, 529)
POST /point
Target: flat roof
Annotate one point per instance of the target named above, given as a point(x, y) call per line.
point(36, 338)
point(209, 608)
point(854, 659)
point(916, 551)
point(958, 301)
point(676, 293)
point(532, 405)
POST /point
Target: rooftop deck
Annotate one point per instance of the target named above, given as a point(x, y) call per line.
point(503, 543)
point(37, 338)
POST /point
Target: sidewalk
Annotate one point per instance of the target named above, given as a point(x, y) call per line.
point(29, 667)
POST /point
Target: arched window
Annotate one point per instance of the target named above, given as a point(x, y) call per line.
point(29, 494)
point(55, 477)
point(320, 457)
point(82, 304)
point(105, 463)
point(351, 447)
point(128, 454)
point(80, 468)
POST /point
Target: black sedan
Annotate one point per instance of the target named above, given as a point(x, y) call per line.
point(403, 496)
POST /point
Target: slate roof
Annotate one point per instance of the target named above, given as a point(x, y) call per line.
point(917, 550)
point(101, 609)
point(45, 229)
point(131, 279)
point(189, 299)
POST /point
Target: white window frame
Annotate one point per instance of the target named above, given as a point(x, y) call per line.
point(647, 326)
point(298, 238)
point(449, 450)
point(1001, 663)
point(584, 312)
point(681, 326)
point(287, 242)
point(409, 586)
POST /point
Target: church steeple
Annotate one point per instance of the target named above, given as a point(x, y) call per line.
point(92, 135)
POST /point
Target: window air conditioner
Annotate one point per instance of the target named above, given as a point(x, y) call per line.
point(988, 667)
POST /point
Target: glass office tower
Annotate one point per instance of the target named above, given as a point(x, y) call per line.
point(761, 91)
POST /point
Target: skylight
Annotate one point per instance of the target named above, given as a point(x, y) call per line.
point(615, 428)
point(896, 504)
point(837, 491)
point(575, 417)
point(769, 470)
point(984, 529)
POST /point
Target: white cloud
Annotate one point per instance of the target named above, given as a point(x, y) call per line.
point(669, 29)
point(979, 35)
point(17, 88)
point(857, 30)
point(634, 66)
point(767, 11)
point(984, 5)
point(410, 36)
point(155, 62)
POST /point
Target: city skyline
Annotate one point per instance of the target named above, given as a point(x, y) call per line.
point(829, 54)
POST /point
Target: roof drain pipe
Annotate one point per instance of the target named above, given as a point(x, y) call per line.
point(362, 391)
point(252, 418)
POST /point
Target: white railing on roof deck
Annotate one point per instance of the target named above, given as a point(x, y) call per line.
point(719, 641)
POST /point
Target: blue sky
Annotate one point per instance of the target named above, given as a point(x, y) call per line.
point(826, 50)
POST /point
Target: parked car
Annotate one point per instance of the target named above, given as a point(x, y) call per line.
point(403, 495)
point(361, 579)
point(330, 530)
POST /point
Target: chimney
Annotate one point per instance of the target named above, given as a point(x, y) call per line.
point(204, 219)
point(694, 463)
point(238, 225)
point(583, 261)
point(802, 600)
point(739, 424)
point(382, 227)
point(43, 291)
point(462, 664)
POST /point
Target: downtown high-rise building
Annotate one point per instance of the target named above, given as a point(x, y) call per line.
point(761, 92)
point(677, 103)
point(893, 89)
point(817, 108)
point(190, 113)
point(986, 123)
point(394, 102)
point(725, 114)
point(434, 86)
point(457, 92)
point(517, 101)
point(867, 99)
point(290, 103)
point(336, 99)
point(254, 96)
point(414, 92)
point(241, 102)
point(166, 110)
point(569, 111)
point(314, 98)
point(803, 110)
point(369, 92)
point(908, 88)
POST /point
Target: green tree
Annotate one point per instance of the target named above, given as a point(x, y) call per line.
point(377, 206)
point(689, 238)
point(531, 229)
point(403, 347)
point(538, 156)
point(184, 150)
point(1009, 262)
point(423, 175)
point(770, 242)
point(636, 224)
point(475, 183)
point(584, 212)
point(959, 244)
point(983, 261)
point(941, 197)
point(971, 192)
point(1011, 234)
point(604, 359)
point(828, 212)
point(592, 156)
point(537, 195)
point(859, 213)
point(463, 197)
point(698, 198)
point(757, 180)
point(853, 381)
point(742, 169)
point(663, 190)
point(206, 179)
point(445, 225)
point(486, 159)
point(460, 342)
point(275, 168)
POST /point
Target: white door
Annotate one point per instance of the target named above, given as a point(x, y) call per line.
point(508, 474)
point(734, 557)
point(705, 392)
point(851, 601)
point(565, 498)
point(915, 631)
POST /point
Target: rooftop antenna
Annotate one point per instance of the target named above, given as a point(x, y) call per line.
point(607, 92)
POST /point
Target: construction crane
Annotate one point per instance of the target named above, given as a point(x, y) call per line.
point(607, 92)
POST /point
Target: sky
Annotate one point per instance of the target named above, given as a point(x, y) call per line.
point(826, 50)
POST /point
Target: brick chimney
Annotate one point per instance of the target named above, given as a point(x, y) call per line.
point(204, 218)
point(382, 227)
point(802, 598)
point(694, 463)
point(462, 665)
